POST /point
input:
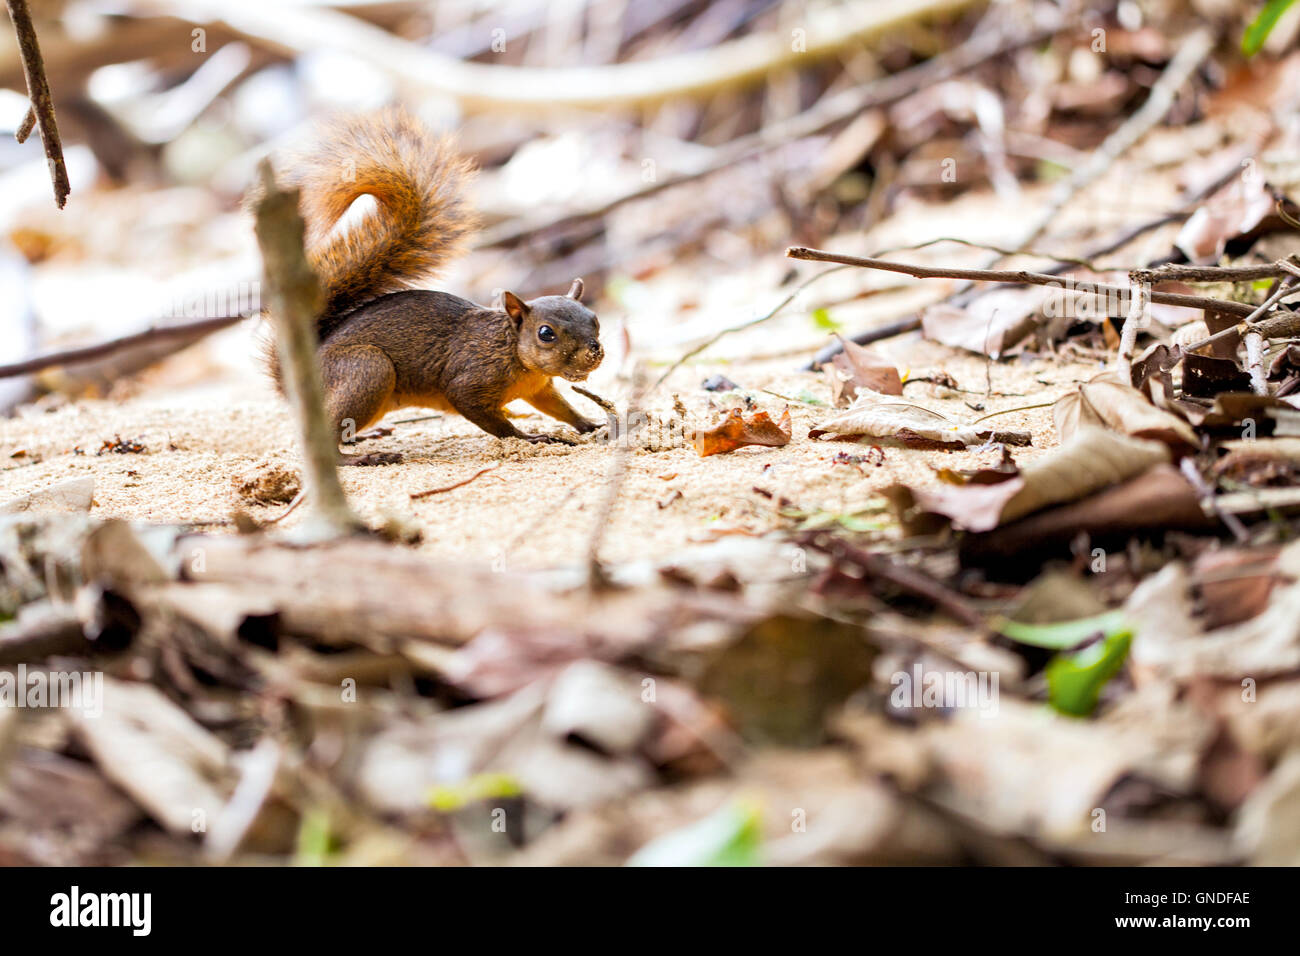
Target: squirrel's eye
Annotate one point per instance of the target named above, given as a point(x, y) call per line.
point(546, 333)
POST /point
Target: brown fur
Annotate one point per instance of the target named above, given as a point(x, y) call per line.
point(419, 182)
point(434, 350)
point(383, 348)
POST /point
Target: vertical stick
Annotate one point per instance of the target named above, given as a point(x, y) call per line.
point(294, 300)
point(38, 91)
point(1139, 300)
point(1255, 363)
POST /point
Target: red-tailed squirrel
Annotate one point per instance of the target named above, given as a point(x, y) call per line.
point(384, 346)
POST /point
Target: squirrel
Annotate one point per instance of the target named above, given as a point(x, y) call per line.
point(384, 346)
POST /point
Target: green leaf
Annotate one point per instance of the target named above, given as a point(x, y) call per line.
point(482, 786)
point(1063, 634)
point(315, 841)
point(1253, 39)
point(822, 319)
point(1074, 681)
point(732, 836)
point(808, 398)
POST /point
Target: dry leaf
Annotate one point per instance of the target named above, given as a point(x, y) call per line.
point(736, 431)
point(988, 325)
point(1170, 641)
point(860, 368)
point(1093, 459)
point(873, 416)
point(1105, 400)
point(153, 750)
point(1244, 210)
point(74, 496)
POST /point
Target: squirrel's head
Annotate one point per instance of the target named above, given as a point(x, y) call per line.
point(557, 334)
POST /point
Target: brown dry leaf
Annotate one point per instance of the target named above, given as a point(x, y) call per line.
point(1025, 770)
point(1205, 376)
point(1159, 499)
point(1093, 459)
point(736, 431)
point(1245, 210)
point(990, 324)
point(1106, 400)
point(168, 764)
point(1170, 641)
point(860, 368)
point(874, 416)
point(1260, 461)
point(1235, 583)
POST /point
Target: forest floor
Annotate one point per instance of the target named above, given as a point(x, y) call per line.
point(537, 507)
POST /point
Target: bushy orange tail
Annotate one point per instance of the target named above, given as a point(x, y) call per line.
point(419, 181)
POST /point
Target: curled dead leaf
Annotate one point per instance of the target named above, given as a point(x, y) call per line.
point(737, 431)
point(1107, 401)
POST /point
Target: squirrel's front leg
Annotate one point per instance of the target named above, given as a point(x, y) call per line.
point(486, 412)
point(494, 422)
point(549, 401)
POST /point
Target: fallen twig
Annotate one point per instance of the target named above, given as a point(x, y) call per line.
point(417, 495)
point(907, 579)
point(1265, 328)
point(749, 324)
point(38, 91)
point(481, 86)
point(1021, 277)
point(1138, 313)
point(86, 353)
point(605, 404)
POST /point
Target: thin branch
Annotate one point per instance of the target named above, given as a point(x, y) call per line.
point(1139, 310)
point(38, 91)
point(492, 87)
point(1254, 343)
point(906, 579)
point(597, 578)
point(86, 353)
point(771, 313)
point(1019, 277)
point(605, 404)
point(1244, 326)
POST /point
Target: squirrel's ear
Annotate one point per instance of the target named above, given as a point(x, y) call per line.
point(515, 307)
point(575, 290)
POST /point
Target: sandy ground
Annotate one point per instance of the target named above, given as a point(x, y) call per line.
point(540, 504)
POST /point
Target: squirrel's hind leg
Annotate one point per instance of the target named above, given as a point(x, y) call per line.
point(359, 382)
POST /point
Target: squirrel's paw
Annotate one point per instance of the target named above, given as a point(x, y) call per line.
point(546, 440)
point(374, 458)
